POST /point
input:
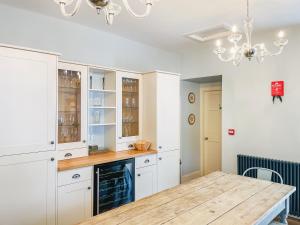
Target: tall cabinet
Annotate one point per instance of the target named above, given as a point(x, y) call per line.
point(161, 124)
point(27, 146)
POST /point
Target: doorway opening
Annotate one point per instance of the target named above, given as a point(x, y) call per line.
point(201, 142)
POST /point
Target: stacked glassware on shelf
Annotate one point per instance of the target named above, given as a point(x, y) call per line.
point(69, 105)
point(130, 104)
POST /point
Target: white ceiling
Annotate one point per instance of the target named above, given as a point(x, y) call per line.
point(171, 19)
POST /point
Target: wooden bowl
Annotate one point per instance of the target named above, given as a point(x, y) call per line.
point(142, 145)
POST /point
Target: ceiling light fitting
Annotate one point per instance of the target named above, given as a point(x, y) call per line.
point(109, 8)
point(247, 49)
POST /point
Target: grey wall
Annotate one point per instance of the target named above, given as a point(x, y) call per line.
point(80, 43)
point(190, 135)
point(262, 128)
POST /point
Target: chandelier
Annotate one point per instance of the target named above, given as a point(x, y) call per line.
point(108, 7)
point(247, 49)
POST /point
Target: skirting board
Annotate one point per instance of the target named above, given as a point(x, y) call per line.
point(190, 176)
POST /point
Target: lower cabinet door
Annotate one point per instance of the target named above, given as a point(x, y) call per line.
point(145, 182)
point(74, 203)
point(27, 189)
point(168, 170)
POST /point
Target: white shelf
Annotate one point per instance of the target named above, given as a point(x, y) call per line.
point(102, 124)
point(103, 91)
point(102, 107)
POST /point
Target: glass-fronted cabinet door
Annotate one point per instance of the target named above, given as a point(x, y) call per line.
point(129, 108)
point(72, 106)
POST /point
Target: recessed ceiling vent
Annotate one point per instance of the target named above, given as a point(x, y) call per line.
point(211, 33)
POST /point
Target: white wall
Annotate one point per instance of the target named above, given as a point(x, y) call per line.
point(263, 129)
point(80, 43)
point(190, 134)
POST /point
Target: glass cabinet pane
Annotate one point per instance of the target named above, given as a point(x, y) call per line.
point(130, 107)
point(69, 106)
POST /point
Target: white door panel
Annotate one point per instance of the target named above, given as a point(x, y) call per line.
point(28, 101)
point(168, 112)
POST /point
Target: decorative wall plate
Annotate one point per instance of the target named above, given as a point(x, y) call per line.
point(191, 98)
point(192, 119)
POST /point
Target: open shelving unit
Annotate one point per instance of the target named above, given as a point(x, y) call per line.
point(102, 109)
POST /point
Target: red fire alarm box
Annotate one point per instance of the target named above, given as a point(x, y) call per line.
point(231, 132)
point(277, 88)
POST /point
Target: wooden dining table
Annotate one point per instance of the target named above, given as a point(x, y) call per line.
point(216, 199)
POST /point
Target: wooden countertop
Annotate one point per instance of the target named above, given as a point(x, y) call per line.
point(216, 199)
point(105, 157)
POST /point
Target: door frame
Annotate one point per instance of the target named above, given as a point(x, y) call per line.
point(206, 88)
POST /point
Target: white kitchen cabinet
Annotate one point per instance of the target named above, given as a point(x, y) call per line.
point(72, 106)
point(145, 182)
point(145, 176)
point(27, 190)
point(28, 101)
point(161, 111)
point(168, 170)
point(129, 109)
point(74, 203)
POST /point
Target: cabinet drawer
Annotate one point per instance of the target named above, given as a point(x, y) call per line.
point(70, 154)
point(144, 161)
point(74, 176)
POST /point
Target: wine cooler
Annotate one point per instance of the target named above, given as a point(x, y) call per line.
point(113, 185)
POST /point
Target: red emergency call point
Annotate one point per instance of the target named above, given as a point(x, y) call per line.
point(231, 132)
point(277, 88)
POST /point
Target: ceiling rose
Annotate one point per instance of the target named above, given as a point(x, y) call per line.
point(108, 7)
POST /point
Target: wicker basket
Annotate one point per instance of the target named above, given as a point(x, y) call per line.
point(142, 145)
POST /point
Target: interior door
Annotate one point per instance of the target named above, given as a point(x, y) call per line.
point(27, 190)
point(28, 101)
point(168, 112)
point(168, 170)
point(72, 106)
point(212, 131)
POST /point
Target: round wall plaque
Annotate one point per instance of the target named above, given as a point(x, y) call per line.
point(192, 119)
point(191, 98)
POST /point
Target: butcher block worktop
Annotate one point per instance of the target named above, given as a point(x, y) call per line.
point(105, 157)
point(216, 199)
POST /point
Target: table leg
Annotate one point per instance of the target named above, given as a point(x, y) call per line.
point(284, 214)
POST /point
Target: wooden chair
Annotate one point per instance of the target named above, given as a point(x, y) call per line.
point(266, 174)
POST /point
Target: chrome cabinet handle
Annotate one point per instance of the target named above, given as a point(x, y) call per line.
point(147, 161)
point(67, 155)
point(76, 176)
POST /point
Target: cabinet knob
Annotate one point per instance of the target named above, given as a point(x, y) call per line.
point(160, 158)
point(89, 188)
point(139, 175)
point(120, 137)
point(68, 155)
point(52, 159)
point(206, 138)
point(159, 147)
point(84, 141)
point(52, 142)
point(147, 161)
point(130, 146)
